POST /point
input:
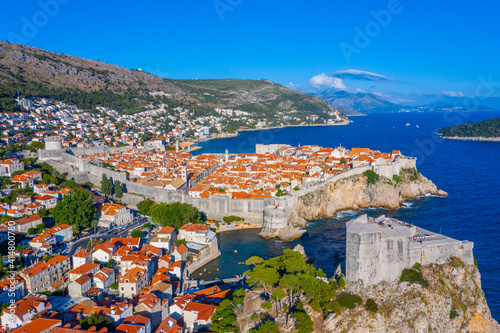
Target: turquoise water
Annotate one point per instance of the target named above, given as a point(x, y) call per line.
point(468, 171)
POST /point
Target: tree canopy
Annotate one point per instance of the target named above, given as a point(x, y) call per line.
point(118, 189)
point(224, 316)
point(489, 128)
point(175, 214)
point(106, 185)
point(145, 207)
point(136, 234)
point(76, 209)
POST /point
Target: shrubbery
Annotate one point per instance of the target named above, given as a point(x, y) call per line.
point(372, 176)
point(136, 234)
point(233, 218)
point(371, 305)
point(453, 314)
point(305, 323)
point(348, 300)
point(414, 275)
point(266, 305)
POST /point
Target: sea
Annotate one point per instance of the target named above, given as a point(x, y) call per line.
point(469, 171)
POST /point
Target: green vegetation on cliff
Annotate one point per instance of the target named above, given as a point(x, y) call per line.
point(489, 128)
point(289, 295)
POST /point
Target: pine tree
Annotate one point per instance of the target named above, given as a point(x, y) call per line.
point(106, 185)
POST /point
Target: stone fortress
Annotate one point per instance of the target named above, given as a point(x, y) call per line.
point(378, 249)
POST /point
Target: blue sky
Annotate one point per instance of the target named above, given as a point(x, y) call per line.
point(425, 47)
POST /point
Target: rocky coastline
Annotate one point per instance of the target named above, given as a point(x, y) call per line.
point(351, 193)
point(472, 138)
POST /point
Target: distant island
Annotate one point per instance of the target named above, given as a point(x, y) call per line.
point(486, 130)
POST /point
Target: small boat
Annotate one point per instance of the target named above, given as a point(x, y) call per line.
point(417, 126)
point(407, 124)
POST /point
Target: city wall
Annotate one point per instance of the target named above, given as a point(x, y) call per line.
point(215, 207)
point(202, 261)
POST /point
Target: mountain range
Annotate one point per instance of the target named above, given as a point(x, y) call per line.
point(87, 83)
point(357, 103)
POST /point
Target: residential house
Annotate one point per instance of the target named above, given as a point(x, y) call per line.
point(180, 252)
point(197, 315)
point(39, 325)
point(152, 307)
point(112, 214)
point(80, 286)
point(36, 277)
point(42, 242)
point(103, 252)
point(132, 282)
point(48, 201)
point(58, 267)
point(12, 288)
point(104, 278)
point(81, 257)
point(134, 243)
point(33, 174)
point(11, 165)
point(165, 238)
point(23, 181)
point(88, 268)
point(25, 223)
point(136, 324)
point(171, 325)
point(197, 233)
point(23, 311)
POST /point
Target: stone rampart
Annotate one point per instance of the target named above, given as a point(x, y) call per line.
point(379, 250)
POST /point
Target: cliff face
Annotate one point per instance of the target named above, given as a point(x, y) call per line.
point(356, 192)
point(453, 302)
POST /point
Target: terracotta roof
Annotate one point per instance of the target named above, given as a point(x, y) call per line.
point(38, 325)
point(194, 227)
point(85, 268)
point(181, 249)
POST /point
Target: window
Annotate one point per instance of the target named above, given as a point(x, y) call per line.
point(132, 288)
point(122, 289)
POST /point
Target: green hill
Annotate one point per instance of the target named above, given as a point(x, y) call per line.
point(489, 128)
point(89, 83)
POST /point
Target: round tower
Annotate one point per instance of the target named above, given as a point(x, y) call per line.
point(275, 218)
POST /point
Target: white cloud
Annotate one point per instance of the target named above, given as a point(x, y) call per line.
point(325, 81)
point(356, 74)
point(453, 93)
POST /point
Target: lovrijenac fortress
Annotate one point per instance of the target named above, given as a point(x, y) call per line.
point(378, 249)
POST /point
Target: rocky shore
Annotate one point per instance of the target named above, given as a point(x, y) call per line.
point(472, 138)
point(352, 193)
